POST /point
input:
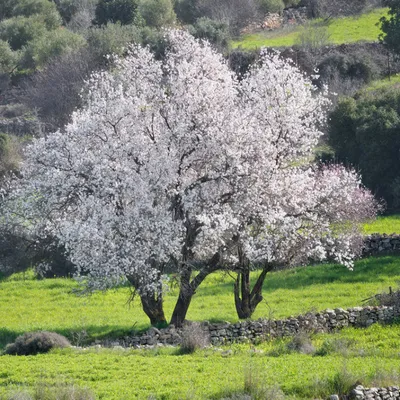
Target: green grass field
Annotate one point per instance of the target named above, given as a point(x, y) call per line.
point(369, 356)
point(339, 30)
point(384, 224)
point(50, 304)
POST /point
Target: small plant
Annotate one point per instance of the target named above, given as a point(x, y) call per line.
point(33, 343)
point(341, 383)
point(340, 346)
point(193, 338)
point(301, 343)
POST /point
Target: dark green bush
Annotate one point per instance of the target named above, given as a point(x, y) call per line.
point(157, 13)
point(390, 26)
point(36, 342)
point(364, 131)
point(187, 11)
point(51, 44)
point(123, 11)
point(18, 31)
point(215, 32)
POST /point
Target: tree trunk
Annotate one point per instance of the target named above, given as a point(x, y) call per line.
point(152, 301)
point(188, 287)
point(185, 297)
point(152, 305)
point(246, 300)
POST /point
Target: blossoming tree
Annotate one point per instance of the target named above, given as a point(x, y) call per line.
point(177, 165)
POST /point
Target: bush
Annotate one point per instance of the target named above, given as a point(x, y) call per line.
point(8, 58)
point(18, 31)
point(240, 61)
point(272, 6)
point(365, 131)
point(390, 26)
point(157, 13)
point(301, 343)
point(187, 11)
point(36, 342)
point(122, 11)
point(55, 91)
point(214, 31)
point(46, 9)
point(49, 46)
point(193, 338)
point(331, 8)
point(111, 39)
point(236, 14)
point(313, 37)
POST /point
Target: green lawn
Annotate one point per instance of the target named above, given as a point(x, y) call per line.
point(340, 30)
point(384, 224)
point(50, 304)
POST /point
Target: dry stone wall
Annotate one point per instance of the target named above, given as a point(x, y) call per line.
point(264, 329)
point(376, 244)
point(362, 393)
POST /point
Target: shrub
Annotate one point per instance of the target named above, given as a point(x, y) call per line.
point(390, 26)
point(331, 8)
point(18, 31)
point(55, 91)
point(193, 338)
point(364, 131)
point(240, 61)
point(157, 13)
point(187, 11)
point(8, 58)
point(122, 11)
point(48, 46)
point(46, 9)
point(234, 13)
point(36, 342)
point(272, 6)
point(301, 343)
point(215, 32)
point(313, 37)
point(111, 39)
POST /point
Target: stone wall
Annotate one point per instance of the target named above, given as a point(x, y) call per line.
point(264, 329)
point(361, 393)
point(376, 244)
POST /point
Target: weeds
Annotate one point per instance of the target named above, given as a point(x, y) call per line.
point(44, 391)
point(193, 338)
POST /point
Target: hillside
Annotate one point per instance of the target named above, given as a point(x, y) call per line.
point(337, 30)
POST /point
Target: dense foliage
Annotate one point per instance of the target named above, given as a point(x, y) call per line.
point(391, 26)
point(123, 11)
point(365, 132)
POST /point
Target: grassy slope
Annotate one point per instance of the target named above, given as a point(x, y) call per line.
point(341, 30)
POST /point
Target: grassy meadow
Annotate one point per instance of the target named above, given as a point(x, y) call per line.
point(267, 370)
point(384, 224)
point(339, 31)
